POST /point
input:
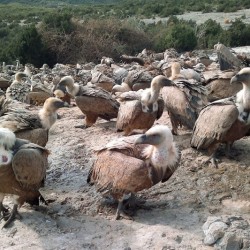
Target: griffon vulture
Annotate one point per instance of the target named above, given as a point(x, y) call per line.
point(22, 172)
point(130, 164)
point(133, 113)
point(31, 125)
point(94, 102)
point(224, 121)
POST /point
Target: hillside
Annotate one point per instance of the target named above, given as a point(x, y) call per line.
point(150, 7)
point(60, 2)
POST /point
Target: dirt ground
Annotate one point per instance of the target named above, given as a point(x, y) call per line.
point(78, 218)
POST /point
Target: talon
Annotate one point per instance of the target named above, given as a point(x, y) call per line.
point(120, 212)
point(4, 211)
point(12, 216)
point(213, 161)
point(123, 215)
point(82, 126)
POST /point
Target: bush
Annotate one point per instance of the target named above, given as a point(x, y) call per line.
point(60, 22)
point(28, 47)
point(209, 33)
point(177, 34)
point(94, 39)
point(239, 33)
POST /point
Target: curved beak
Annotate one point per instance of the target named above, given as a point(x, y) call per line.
point(235, 79)
point(152, 139)
point(164, 81)
point(141, 140)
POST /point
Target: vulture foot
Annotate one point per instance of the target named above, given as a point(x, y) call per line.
point(134, 204)
point(212, 159)
point(12, 216)
point(121, 213)
point(82, 126)
point(4, 211)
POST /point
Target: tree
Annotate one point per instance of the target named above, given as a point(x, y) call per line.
point(239, 33)
point(209, 33)
point(28, 47)
point(59, 21)
point(180, 36)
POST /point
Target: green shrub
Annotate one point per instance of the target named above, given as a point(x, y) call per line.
point(239, 33)
point(60, 22)
point(209, 33)
point(28, 47)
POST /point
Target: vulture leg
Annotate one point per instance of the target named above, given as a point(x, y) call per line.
point(174, 123)
point(133, 203)
point(14, 213)
point(90, 119)
point(121, 213)
point(213, 160)
point(4, 211)
point(229, 153)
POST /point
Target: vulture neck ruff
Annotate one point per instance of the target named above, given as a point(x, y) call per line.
point(72, 88)
point(47, 117)
point(7, 141)
point(163, 155)
point(246, 96)
point(243, 103)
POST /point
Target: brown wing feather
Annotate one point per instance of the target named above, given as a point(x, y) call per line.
point(213, 123)
point(102, 107)
point(20, 120)
point(116, 173)
point(160, 110)
point(177, 104)
point(128, 112)
point(131, 115)
point(127, 146)
point(130, 95)
point(184, 101)
point(29, 165)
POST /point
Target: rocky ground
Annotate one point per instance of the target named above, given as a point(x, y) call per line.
point(78, 218)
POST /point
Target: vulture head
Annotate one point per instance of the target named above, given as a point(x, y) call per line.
point(68, 83)
point(66, 80)
point(146, 101)
point(60, 92)
point(150, 96)
point(7, 141)
point(243, 76)
point(48, 113)
point(53, 104)
point(157, 135)
point(19, 76)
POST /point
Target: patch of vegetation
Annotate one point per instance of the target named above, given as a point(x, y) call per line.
point(71, 34)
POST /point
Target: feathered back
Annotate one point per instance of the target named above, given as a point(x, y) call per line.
point(18, 120)
point(184, 100)
point(213, 123)
point(98, 101)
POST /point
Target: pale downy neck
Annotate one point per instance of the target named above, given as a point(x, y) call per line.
point(18, 78)
point(154, 91)
point(246, 96)
point(163, 155)
point(72, 88)
point(175, 71)
point(48, 117)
